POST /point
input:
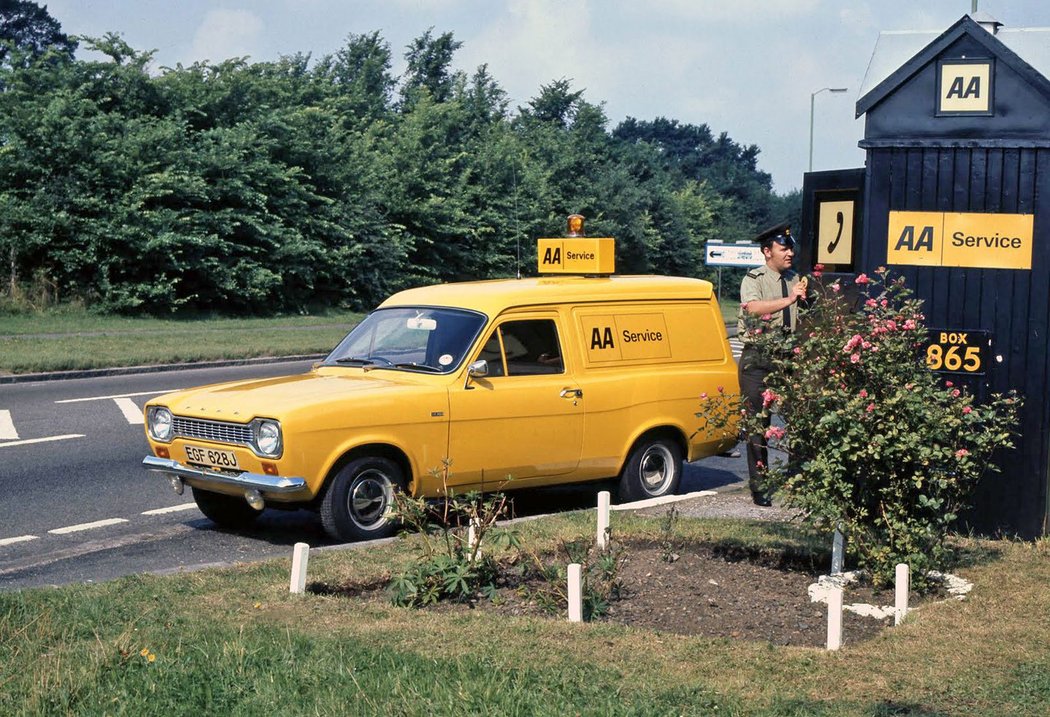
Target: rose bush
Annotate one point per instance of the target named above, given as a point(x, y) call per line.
point(873, 441)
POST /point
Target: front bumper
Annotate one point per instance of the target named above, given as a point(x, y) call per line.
point(244, 481)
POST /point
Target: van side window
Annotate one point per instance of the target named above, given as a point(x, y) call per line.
point(529, 347)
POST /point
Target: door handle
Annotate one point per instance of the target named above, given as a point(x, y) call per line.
point(572, 393)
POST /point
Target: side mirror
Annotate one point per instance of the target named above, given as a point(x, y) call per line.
point(478, 369)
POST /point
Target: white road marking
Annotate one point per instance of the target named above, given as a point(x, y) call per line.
point(7, 427)
point(87, 526)
point(19, 539)
point(119, 395)
point(130, 410)
point(28, 441)
point(172, 509)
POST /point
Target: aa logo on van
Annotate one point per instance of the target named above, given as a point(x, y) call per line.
point(626, 337)
point(983, 241)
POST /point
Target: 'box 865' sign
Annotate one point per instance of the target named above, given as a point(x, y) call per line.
point(954, 351)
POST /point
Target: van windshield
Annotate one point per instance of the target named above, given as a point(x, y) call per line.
point(421, 339)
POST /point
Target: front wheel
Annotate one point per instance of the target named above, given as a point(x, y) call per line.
point(226, 511)
point(653, 469)
point(356, 504)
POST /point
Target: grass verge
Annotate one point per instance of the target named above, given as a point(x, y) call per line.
point(69, 339)
point(234, 641)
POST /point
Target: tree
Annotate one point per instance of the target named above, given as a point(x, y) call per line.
point(28, 31)
point(429, 68)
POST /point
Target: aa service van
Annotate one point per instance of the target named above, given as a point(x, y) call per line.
point(578, 375)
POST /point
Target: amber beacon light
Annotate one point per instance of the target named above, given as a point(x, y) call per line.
point(575, 225)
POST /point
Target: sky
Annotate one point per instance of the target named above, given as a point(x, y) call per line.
point(749, 68)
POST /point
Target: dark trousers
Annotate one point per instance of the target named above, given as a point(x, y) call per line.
point(752, 373)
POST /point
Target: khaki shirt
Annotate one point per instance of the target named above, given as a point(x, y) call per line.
point(762, 284)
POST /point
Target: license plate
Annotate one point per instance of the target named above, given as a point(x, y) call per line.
point(211, 457)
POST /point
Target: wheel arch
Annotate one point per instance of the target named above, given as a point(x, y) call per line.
point(381, 450)
point(668, 431)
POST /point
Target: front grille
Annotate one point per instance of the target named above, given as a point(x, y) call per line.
point(218, 431)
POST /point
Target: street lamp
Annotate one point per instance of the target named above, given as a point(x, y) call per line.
point(812, 99)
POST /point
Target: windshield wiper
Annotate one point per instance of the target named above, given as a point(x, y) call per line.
point(423, 366)
point(354, 359)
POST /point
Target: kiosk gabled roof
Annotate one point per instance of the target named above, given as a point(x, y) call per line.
point(899, 55)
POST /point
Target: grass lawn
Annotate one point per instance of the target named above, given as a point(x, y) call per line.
point(234, 641)
point(67, 340)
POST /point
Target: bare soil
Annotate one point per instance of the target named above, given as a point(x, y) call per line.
point(695, 588)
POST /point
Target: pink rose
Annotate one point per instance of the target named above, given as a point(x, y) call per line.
point(862, 279)
point(949, 384)
point(854, 358)
point(962, 453)
point(835, 287)
point(884, 303)
point(769, 397)
point(863, 393)
point(956, 393)
point(870, 408)
point(967, 409)
point(703, 395)
point(870, 303)
point(774, 432)
point(766, 317)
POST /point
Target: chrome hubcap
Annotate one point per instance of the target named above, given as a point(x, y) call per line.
point(656, 468)
point(369, 497)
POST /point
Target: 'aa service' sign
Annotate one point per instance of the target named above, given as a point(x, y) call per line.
point(983, 241)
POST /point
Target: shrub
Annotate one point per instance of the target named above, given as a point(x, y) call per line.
point(449, 566)
point(874, 441)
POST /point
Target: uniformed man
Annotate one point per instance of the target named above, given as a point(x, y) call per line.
point(772, 290)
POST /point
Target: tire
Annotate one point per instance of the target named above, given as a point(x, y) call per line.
point(355, 505)
point(653, 469)
point(226, 511)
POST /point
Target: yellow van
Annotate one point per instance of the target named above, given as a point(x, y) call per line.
point(518, 383)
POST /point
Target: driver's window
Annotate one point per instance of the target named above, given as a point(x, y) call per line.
point(523, 348)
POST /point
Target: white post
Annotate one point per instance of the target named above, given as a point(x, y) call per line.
point(603, 520)
point(473, 539)
point(300, 557)
point(902, 588)
point(575, 592)
point(836, 551)
point(835, 618)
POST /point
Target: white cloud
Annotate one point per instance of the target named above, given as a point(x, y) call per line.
point(733, 11)
point(223, 34)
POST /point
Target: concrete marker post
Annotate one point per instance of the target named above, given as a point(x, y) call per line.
point(575, 592)
point(835, 618)
point(300, 558)
point(837, 549)
point(902, 586)
point(603, 520)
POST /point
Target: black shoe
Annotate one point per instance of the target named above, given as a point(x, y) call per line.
point(761, 499)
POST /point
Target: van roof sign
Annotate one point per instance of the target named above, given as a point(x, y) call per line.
point(576, 256)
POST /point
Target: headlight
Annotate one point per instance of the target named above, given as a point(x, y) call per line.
point(159, 421)
point(267, 435)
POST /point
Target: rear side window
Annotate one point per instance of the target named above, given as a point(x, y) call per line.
point(523, 348)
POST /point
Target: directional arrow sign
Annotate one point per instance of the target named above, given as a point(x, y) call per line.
point(721, 254)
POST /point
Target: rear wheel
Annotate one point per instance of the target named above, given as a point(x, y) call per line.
point(226, 511)
point(653, 469)
point(356, 503)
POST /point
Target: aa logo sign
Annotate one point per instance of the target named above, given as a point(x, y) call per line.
point(983, 241)
point(965, 87)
